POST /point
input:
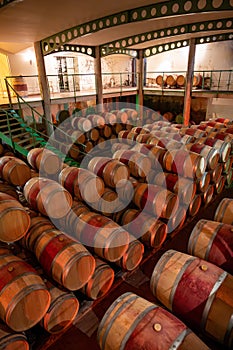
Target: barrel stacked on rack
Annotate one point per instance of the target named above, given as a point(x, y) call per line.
point(80, 134)
point(38, 289)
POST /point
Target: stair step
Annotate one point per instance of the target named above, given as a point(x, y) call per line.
point(14, 130)
point(24, 140)
point(31, 145)
point(23, 134)
point(6, 126)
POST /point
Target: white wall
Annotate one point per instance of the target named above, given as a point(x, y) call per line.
point(115, 64)
point(211, 56)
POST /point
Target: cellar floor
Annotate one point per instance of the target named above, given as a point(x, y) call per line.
point(82, 334)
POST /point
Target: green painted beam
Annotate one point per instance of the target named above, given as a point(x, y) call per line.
point(131, 53)
point(205, 26)
point(158, 10)
point(157, 49)
point(86, 50)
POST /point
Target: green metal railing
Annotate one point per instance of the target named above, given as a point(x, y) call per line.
point(36, 134)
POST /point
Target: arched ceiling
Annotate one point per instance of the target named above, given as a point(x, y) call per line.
point(23, 22)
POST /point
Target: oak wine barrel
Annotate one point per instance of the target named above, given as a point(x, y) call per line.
point(155, 200)
point(14, 170)
point(224, 211)
point(10, 340)
point(197, 291)
point(82, 183)
point(66, 260)
point(145, 227)
point(48, 197)
point(44, 160)
point(111, 170)
point(212, 241)
point(62, 310)
point(101, 234)
point(14, 219)
point(24, 298)
point(133, 323)
point(100, 282)
point(133, 256)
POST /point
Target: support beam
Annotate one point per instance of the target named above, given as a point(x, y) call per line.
point(98, 75)
point(44, 87)
point(189, 82)
point(140, 85)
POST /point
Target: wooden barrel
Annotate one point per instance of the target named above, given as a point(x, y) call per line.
point(8, 189)
point(100, 282)
point(62, 311)
point(14, 170)
point(48, 197)
point(96, 120)
point(74, 152)
point(198, 292)
point(216, 173)
point(106, 131)
point(184, 188)
point(67, 261)
point(125, 191)
point(110, 118)
point(212, 241)
point(88, 146)
point(224, 211)
point(14, 219)
point(197, 80)
point(219, 185)
point(138, 164)
point(223, 147)
point(221, 136)
point(92, 135)
point(133, 323)
point(193, 132)
point(171, 80)
point(155, 154)
point(10, 340)
point(39, 224)
point(184, 163)
point(119, 145)
point(195, 205)
point(109, 203)
point(111, 170)
point(82, 183)
point(121, 115)
point(210, 154)
point(24, 298)
point(80, 123)
point(133, 256)
point(78, 207)
point(77, 136)
point(176, 221)
point(203, 182)
point(207, 196)
point(180, 80)
point(155, 200)
point(44, 160)
point(105, 237)
point(161, 80)
point(150, 231)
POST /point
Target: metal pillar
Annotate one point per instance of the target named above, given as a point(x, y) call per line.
point(44, 87)
point(139, 98)
point(189, 82)
point(98, 75)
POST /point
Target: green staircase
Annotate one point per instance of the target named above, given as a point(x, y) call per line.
point(15, 132)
